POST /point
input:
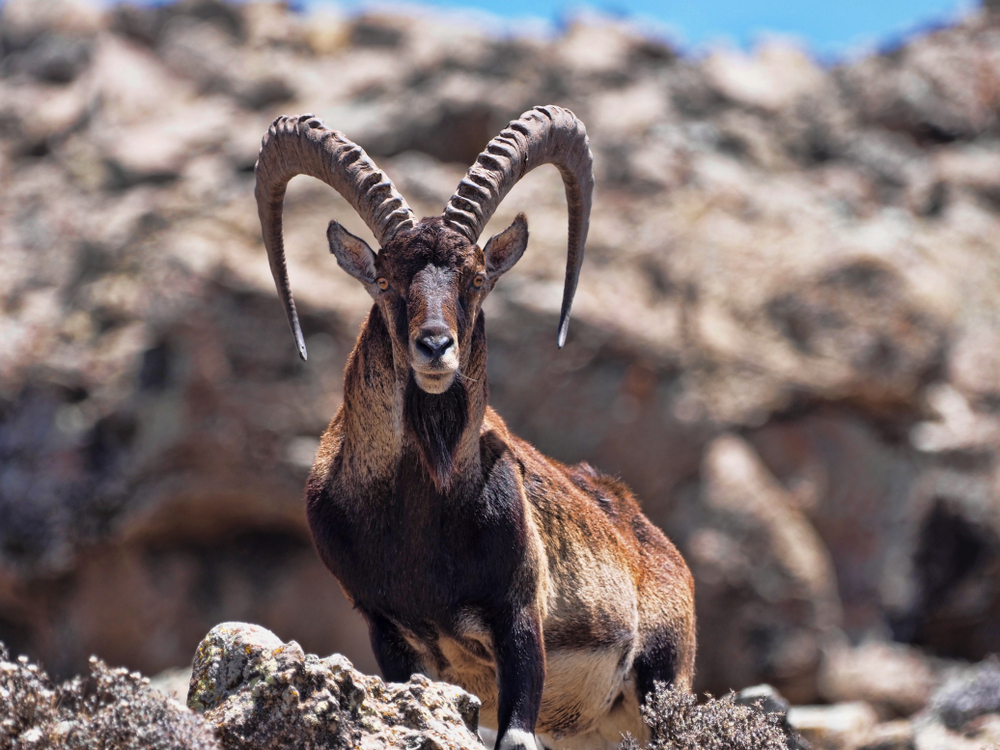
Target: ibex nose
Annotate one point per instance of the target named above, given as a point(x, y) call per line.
point(434, 344)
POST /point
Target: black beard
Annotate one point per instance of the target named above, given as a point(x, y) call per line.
point(436, 421)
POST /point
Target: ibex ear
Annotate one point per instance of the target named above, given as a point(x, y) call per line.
point(353, 253)
point(506, 248)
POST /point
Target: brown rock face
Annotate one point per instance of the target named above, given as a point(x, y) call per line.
point(785, 336)
point(766, 587)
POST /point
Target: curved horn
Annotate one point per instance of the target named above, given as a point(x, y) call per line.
point(303, 145)
point(542, 135)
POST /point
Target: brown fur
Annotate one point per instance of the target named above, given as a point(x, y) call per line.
point(539, 587)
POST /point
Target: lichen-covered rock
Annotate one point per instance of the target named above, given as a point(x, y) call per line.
point(260, 693)
point(109, 708)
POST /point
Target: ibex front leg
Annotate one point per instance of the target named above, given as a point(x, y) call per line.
point(520, 657)
point(395, 657)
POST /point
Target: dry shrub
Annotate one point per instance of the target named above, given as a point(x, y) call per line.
point(679, 722)
point(111, 708)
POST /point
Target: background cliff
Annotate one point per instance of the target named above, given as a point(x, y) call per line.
point(786, 338)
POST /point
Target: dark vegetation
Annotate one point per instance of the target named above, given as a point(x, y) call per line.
point(679, 722)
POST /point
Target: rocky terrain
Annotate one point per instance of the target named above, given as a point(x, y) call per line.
point(247, 690)
point(258, 692)
point(786, 338)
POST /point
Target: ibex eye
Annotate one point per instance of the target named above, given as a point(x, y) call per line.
point(479, 280)
point(383, 284)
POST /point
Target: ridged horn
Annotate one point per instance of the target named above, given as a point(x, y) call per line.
point(303, 145)
point(542, 135)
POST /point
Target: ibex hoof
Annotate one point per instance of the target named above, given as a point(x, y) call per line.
point(518, 739)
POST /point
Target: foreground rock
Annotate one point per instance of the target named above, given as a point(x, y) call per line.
point(109, 708)
point(261, 693)
point(249, 690)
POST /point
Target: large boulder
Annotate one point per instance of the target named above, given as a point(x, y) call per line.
point(766, 594)
point(261, 693)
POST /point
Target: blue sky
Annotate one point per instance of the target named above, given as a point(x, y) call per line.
point(829, 29)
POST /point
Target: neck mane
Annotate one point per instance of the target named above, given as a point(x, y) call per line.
point(389, 421)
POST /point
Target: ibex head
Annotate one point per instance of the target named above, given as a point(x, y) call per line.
point(429, 278)
point(429, 282)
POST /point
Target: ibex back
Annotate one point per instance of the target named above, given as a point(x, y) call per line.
point(539, 587)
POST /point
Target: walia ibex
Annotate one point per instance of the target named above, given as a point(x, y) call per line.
point(539, 587)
